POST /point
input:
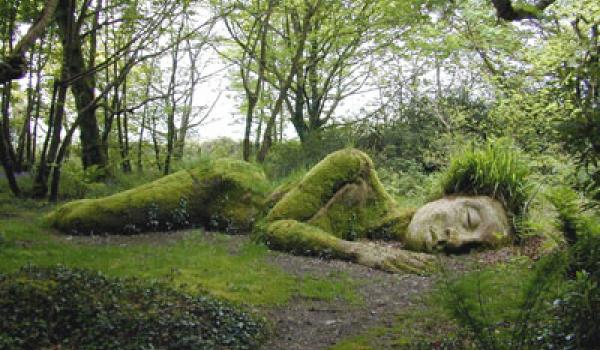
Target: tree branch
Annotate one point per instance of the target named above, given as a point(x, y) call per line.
point(15, 65)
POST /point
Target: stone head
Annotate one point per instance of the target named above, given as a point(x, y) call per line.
point(457, 224)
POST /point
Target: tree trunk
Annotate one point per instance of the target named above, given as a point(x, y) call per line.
point(126, 165)
point(141, 140)
point(144, 120)
point(248, 128)
point(171, 132)
point(155, 142)
point(38, 101)
point(51, 145)
point(82, 87)
point(259, 130)
point(24, 143)
point(10, 151)
point(8, 166)
point(15, 66)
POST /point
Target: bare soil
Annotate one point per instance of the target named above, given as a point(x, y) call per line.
point(315, 324)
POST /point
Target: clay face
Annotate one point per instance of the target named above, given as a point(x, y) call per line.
point(455, 224)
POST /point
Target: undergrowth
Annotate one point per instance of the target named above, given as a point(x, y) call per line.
point(80, 309)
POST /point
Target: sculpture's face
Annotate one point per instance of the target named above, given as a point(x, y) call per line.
point(455, 224)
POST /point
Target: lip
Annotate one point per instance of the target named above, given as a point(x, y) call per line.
point(451, 241)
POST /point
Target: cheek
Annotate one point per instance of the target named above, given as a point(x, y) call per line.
point(492, 232)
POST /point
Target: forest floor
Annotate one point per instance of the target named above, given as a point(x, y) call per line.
point(309, 303)
point(306, 322)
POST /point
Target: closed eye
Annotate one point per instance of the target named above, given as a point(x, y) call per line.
point(473, 218)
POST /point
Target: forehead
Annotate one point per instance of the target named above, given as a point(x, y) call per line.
point(452, 204)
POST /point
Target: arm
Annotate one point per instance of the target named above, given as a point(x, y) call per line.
point(304, 239)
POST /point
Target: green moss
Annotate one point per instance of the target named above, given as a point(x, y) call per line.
point(297, 237)
point(342, 195)
point(393, 226)
point(304, 239)
point(224, 194)
point(280, 191)
point(320, 184)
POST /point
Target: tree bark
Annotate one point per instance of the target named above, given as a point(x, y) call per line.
point(24, 144)
point(285, 84)
point(82, 87)
point(8, 166)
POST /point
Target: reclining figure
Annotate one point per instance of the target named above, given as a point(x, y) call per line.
point(338, 210)
point(340, 204)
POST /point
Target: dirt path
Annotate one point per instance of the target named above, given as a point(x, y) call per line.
point(313, 324)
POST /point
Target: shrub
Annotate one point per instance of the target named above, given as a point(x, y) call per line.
point(567, 205)
point(575, 314)
point(497, 170)
point(79, 309)
point(560, 306)
point(290, 156)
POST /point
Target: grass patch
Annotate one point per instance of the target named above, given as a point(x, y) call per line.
point(429, 324)
point(497, 169)
point(337, 288)
point(193, 263)
point(424, 323)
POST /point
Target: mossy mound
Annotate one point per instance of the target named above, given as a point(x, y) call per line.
point(342, 195)
point(224, 194)
point(61, 308)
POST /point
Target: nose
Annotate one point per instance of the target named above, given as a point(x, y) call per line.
point(440, 238)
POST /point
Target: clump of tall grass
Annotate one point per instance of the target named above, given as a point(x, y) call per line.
point(496, 169)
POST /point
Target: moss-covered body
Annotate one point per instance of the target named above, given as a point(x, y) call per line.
point(304, 239)
point(339, 201)
point(342, 195)
point(223, 194)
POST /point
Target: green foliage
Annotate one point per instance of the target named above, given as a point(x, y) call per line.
point(505, 307)
point(410, 183)
point(567, 204)
point(406, 142)
point(223, 147)
point(559, 302)
point(575, 323)
point(288, 157)
point(497, 169)
point(71, 308)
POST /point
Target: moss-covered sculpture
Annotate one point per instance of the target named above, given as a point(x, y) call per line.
point(223, 194)
point(339, 201)
point(332, 211)
point(340, 204)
